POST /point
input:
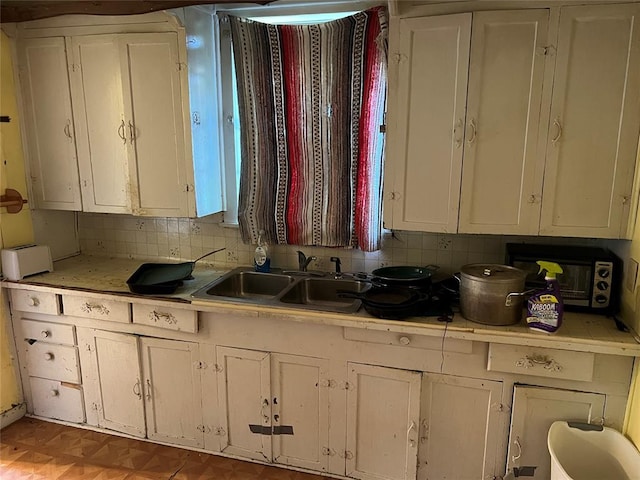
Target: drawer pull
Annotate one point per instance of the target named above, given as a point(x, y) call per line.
point(45, 333)
point(90, 308)
point(530, 361)
point(404, 340)
point(54, 392)
point(34, 301)
point(148, 390)
point(167, 317)
point(49, 356)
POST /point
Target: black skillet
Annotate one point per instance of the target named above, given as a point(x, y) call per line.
point(162, 278)
point(404, 275)
point(393, 303)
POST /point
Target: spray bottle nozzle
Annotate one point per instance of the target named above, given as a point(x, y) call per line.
point(551, 268)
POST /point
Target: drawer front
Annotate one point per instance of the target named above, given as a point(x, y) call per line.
point(166, 317)
point(97, 308)
point(541, 362)
point(53, 399)
point(404, 339)
point(48, 332)
point(55, 362)
point(36, 302)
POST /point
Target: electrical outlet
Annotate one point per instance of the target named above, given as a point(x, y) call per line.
point(631, 275)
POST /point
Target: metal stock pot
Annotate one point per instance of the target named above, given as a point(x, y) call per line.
point(491, 294)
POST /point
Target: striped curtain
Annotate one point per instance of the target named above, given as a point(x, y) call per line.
point(312, 99)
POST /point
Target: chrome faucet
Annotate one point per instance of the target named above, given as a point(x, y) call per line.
point(303, 261)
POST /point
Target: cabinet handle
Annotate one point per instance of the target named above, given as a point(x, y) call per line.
point(530, 361)
point(148, 389)
point(132, 131)
point(517, 444)
point(67, 129)
point(34, 301)
point(54, 392)
point(558, 126)
point(89, 308)
point(48, 356)
point(168, 317)
point(474, 131)
point(121, 132)
point(45, 334)
point(404, 340)
point(457, 139)
point(136, 389)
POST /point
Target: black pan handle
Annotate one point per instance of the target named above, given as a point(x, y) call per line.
point(210, 253)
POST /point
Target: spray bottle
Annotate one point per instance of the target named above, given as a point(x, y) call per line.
point(545, 308)
point(261, 260)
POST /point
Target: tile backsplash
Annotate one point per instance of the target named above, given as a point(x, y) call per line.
point(187, 239)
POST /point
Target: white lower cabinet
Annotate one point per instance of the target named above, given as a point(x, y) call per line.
point(383, 418)
point(402, 424)
point(274, 407)
point(130, 379)
point(534, 410)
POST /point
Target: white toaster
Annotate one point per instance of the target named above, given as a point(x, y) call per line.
point(19, 262)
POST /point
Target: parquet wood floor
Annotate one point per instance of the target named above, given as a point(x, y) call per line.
point(38, 450)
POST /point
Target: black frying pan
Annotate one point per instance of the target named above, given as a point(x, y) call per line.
point(162, 278)
point(404, 275)
point(393, 303)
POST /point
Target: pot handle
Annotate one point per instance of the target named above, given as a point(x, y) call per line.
point(457, 277)
point(509, 301)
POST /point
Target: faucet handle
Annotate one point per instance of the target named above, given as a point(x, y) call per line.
point(337, 261)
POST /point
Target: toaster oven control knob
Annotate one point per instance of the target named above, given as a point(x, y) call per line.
point(601, 299)
point(602, 285)
point(603, 272)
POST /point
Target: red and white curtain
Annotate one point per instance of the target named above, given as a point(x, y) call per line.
point(312, 100)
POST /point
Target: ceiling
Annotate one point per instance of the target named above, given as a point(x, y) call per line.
point(24, 10)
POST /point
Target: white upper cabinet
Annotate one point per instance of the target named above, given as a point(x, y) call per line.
point(155, 127)
point(101, 129)
point(594, 122)
point(543, 142)
point(427, 92)
point(50, 132)
point(503, 166)
point(121, 101)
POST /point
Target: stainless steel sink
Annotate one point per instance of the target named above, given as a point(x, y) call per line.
point(316, 292)
point(322, 294)
point(241, 284)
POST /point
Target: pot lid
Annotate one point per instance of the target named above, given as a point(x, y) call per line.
point(492, 272)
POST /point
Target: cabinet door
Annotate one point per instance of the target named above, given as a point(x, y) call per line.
point(383, 414)
point(427, 95)
point(534, 410)
point(49, 123)
point(460, 419)
point(594, 123)
point(153, 107)
point(112, 379)
point(503, 166)
point(102, 135)
point(244, 399)
point(173, 391)
point(300, 411)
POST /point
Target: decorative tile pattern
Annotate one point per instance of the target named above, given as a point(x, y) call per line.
point(32, 449)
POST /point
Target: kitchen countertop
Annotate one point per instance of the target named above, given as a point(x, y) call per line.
point(108, 275)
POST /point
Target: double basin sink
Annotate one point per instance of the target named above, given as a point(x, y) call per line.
point(304, 290)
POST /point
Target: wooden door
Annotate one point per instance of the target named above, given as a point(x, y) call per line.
point(102, 134)
point(503, 166)
point(113, 380)
point(300, 411)
point(534, 410)
point(244, 400)
point(594, 123)
point(461, 418)
point(383, 415)
point(51, 147)
point(154, 117)
point(429, 60)
point(172, 391)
